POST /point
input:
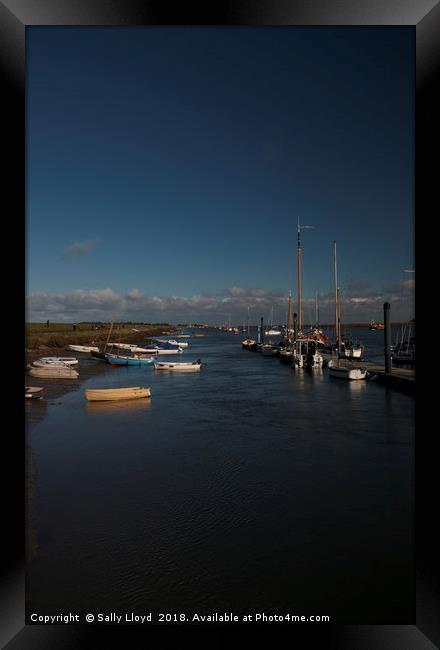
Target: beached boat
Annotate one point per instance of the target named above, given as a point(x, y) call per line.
point(132, 347)
point(192, 367)
point(112, 394)
point(344, 372)
point(83, 348)
point(55, 361)
point(99, 355)
point(34, 392)
point(132, 360)
point(52, 371)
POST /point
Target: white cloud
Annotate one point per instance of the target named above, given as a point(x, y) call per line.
point(80, 247)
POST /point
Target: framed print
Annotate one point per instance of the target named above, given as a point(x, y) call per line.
point(216, 216)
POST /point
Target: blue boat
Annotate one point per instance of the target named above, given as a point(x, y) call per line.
point(123, 360)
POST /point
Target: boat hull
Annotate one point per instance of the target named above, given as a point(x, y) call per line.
point(180, 367)
point(115, 394)
point(128, 361)
point(83, 348)
point(351, 374)
point(54, 372)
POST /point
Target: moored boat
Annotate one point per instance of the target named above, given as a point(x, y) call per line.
point(83, 348)
point(99, 355)
point(112, 394)
point(55, 361)
point(166, 365)
point(344, 372)
point(52, 371)
point(269, 350)
point(34, 392)
point(132, 360)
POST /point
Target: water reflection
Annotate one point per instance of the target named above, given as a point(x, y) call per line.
point(120, 406)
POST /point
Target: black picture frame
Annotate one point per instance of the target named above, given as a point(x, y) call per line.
point(15, 16)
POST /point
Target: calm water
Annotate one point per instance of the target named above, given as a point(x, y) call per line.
point(249, 486)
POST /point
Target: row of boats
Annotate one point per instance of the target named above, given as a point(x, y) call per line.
point(307, 352)
point(119, 354)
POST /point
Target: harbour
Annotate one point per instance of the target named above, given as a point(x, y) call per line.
point(186, 496)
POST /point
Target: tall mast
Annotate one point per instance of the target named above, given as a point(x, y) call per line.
point(316, 309)
point(248, 324)
point(337, 305)
point(289, 317)
point(299, 276)
point(300, 227)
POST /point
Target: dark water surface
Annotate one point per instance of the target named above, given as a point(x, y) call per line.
point(249, 486)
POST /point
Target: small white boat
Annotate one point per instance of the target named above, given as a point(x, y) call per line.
point(34, 392)
point(112, 394)
point(83, 348)
point(55, 361)
point(343, 372)
point(192, 367)
point(179, 344)
point(273, 332)
point(52, 371)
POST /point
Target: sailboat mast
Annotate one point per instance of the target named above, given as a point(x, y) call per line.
point(336, 292)
point(299, 277)
point(316, 309)
point(289, 317)
point(248, 324)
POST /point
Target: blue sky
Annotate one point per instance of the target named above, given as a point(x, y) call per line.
point(175, 162)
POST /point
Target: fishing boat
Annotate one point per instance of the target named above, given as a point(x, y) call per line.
point(112, 394)
point(55, 361)
point(306, 354)
point(129, 360)
point(83, 348)
point(52, 371)
point(344, 372)
point(34, 392)
point(376, 326)
point(191, 367)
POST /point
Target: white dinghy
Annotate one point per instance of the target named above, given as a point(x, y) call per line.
point(343, 372)
point(52, 371)
point(55, 361)
point(83, 348)
point(191, 367)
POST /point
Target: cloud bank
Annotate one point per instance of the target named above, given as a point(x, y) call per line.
point(358, 305)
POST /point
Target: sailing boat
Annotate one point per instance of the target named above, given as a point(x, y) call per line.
point(286, 352)
point(335, 368)
point(272, 331)
point(248, 343)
